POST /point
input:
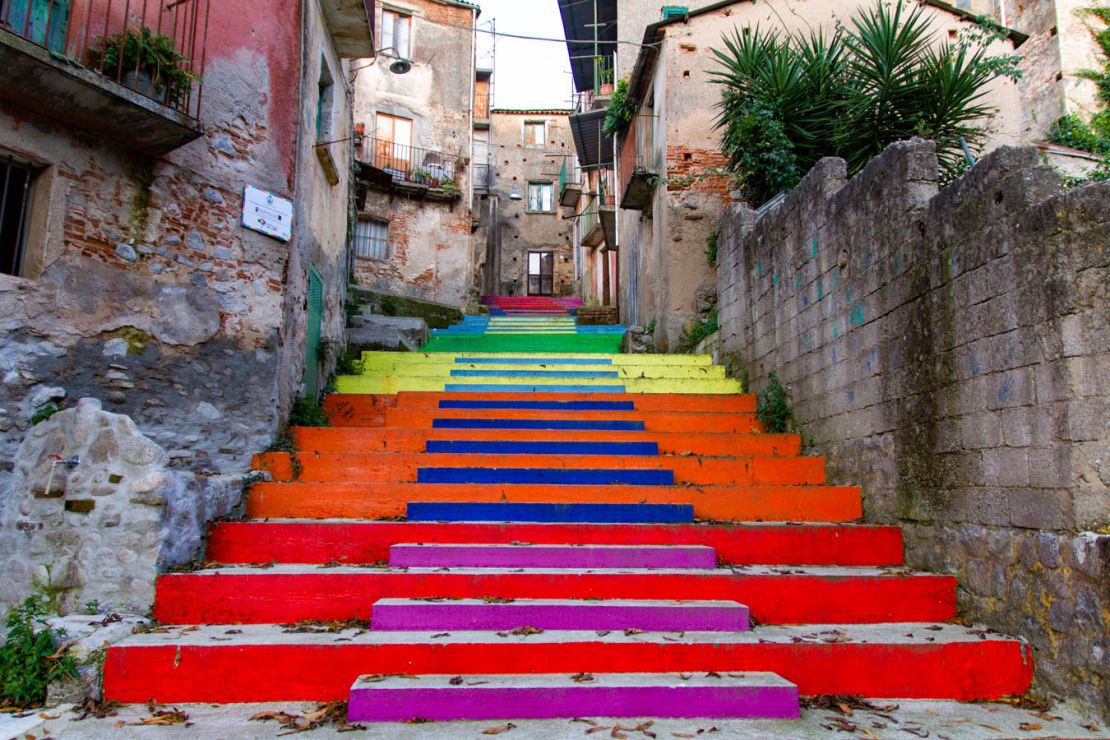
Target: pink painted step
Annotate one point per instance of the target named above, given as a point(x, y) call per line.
point(409, 555)
point(554, 696)
point(559, 614)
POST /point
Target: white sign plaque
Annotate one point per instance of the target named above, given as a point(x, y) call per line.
point(267, 213)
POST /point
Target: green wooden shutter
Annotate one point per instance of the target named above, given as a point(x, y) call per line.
point(56, 12)
point(315, 318)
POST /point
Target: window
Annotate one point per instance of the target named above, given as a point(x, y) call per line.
point(15, 201)
point(541, 273)
point(324, 102)
point(535, 133)
point(397, 33)
point(540, 197)
point(43, 22)
point(393, 151)
point(372, 240)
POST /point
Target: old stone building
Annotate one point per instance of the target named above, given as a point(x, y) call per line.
point(174, 235)
point(527, 247)
point(414, 118)
point(670, 182)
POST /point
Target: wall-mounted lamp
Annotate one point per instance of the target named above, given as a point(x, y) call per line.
point(399, 65)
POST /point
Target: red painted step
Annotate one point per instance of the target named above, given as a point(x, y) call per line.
point(290, 593)
point(653, 421)
point(402, 467)
point(263, 663)
point(353, 543)
point(705, 443)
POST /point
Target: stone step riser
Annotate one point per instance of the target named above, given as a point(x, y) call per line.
point(408, 555)
point(373, 699)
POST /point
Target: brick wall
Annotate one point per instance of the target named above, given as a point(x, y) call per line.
point(945, 350)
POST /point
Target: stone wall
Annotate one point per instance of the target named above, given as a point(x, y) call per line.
point(948, 351)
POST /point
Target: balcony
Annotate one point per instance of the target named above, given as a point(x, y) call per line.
point(569, 189)
point(127, 70)
point(417, 172)
point(638, 176)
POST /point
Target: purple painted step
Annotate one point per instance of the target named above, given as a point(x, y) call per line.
point(407, 555)
point(560, 614)
point(557, 696)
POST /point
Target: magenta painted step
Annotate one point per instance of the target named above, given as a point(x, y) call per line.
point(408, 555)
point(559, 614)
point(560, 696)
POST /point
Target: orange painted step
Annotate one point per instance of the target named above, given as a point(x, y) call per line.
point(660, 421)
point(402, 467)
point(714, 503)
point(705, 443)
point(350, 405)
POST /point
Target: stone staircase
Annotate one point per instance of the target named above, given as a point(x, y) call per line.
point(555, 533)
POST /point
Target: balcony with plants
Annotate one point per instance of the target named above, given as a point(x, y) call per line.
point(416, 171)
point(129, 70)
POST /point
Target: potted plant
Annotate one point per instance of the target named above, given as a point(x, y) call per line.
point(418, 175)
point(149, 64)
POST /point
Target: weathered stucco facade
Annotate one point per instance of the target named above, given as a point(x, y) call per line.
point(418, 144)
point(945, 350)
point(528, 150)
point(142, 289)
point(680, 190)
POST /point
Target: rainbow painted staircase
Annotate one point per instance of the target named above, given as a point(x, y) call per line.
point(522, 533)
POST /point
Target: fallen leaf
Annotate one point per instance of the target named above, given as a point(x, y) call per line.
point(682, 734)
point(991, 727)
point(44, 715)
point(1092, 727)
point(583, 678)
point(1029, 726)
point(633, 631)
point(525, 631)
point(585, 721)
point(845, 709)
point(599, 728)
point(456, 681)
point(499, 729)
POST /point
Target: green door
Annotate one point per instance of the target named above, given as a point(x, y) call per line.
point(315, 317)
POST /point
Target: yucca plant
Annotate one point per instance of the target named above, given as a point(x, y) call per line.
point(789, 99)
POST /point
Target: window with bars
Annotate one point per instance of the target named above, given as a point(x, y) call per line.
point(540, 198)
point(397, 33)
point(372, 240)
point(15, 203)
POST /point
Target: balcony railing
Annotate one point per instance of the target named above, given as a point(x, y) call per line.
point(411, 164)
point(155, 48)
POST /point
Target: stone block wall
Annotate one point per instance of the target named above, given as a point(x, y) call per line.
point(948, 350)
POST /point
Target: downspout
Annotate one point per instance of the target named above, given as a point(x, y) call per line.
point(472, 252)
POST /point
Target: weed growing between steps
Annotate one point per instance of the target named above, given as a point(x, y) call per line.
point(771, 408)
point(306, 412)
point(30, 658)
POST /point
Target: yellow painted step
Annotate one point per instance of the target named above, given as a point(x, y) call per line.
point(397, 384)
point(444, 370)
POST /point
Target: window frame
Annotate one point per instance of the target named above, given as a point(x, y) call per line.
point(370, 223)
point(550, 196)
point(26, 206)
point(390, 39)
point(543, 136)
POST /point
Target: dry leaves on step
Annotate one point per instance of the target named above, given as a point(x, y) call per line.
point(172, 716)
point(583, 678)
point(332, 713)
point(456, 681)
point(499, 729)
point(498, 599)
point(1092, 727)
point(1029, 726)
point(525, 631)
point(93, 708)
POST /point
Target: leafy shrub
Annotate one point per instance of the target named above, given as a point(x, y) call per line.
point(306, 412)
point(711, 248)
point(29, 658)
point(619, 114)
point(44, 412)
point(789, 100)
point(771, 406)
point(699, 331)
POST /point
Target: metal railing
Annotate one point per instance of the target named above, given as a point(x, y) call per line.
point(412, 164)
point(155, 48)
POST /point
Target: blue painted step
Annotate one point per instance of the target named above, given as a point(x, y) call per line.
point(593, 425)
point(542, 405)
point(495, 447)
point(535, 374)
point(569, 513)
point(550, 476)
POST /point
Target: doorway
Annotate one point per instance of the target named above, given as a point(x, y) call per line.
point(541, 273)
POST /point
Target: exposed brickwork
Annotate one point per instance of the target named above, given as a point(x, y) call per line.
point(944, 349)
point(699, 170)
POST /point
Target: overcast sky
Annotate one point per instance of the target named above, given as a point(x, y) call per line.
point(528, 74)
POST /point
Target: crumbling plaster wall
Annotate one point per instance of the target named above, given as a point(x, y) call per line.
point(520, 231)
point(946, 351)
point(430, 244)
point(148, 295)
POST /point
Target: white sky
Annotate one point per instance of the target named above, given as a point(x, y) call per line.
point(527, 74)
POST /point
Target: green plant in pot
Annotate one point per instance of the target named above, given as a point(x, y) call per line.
point(149, 64)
